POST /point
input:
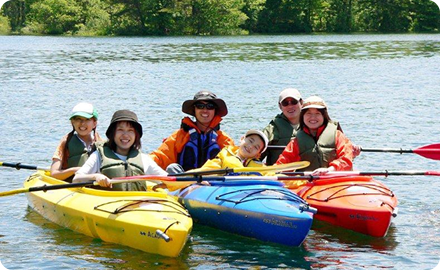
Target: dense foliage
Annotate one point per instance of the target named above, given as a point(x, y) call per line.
point(216, 17)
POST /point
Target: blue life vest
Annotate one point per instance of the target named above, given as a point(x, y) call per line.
point(198, 149)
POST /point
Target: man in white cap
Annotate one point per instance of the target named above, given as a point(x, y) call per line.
point(282, 128)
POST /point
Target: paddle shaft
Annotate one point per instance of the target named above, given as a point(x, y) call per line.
point(19, 166)
point(372, 173)
point(431, 151)
point(45, 188)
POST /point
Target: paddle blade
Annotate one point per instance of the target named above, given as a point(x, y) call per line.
point(434, 173)
point(431, 151)
point(13, 192)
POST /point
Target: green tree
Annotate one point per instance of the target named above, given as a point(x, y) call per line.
point(5, 28)
point(54, 17)
point(425, 16)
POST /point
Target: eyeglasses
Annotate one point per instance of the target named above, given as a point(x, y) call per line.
point(286, 103)
point(208, 106)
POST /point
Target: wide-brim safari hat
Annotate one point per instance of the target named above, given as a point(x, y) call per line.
point(220, 110)
point(124, 115)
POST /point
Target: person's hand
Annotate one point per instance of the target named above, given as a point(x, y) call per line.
point(323, 171)
point(102, 180)
point(356, 150)
point(205, 183)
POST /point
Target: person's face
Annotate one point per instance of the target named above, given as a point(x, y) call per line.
point(313, 118)
point(291, 108)
point(125, 137)
point(83, 126)
point(204, 112)
point(251, 146)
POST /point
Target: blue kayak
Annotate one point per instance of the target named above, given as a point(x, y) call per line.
point(263, 210)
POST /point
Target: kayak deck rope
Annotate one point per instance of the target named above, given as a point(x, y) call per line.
point(170, 204)
point(286, 195)
point(379, 190)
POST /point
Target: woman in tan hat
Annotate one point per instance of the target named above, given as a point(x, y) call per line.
point(319, 141)
point(76, 146)
point(119, 156)
point(196, 141)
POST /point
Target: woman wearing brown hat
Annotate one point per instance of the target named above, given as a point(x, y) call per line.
point(319, 141)
point(196, 141)
point(120, 156)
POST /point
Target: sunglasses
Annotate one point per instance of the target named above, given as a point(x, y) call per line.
point(208, 106)
point(286, 103)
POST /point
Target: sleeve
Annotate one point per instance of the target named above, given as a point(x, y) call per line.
point(167, 151)
point(59, 151)
point(92, 164)
point(290, 153)
point(344, 152)
point(269, 131)
point(224, 140)
point(212, 164)
point(151, 167)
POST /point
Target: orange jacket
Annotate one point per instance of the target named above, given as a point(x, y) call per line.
point(344, 153)
point(172, 146)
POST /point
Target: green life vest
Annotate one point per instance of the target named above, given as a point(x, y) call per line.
point(112, 166)
point(283, 133)
point(319, 153)
point(78, 153)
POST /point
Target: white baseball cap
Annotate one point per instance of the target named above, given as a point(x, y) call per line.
point(85, 110)
point(261, 134)
point(289, 92)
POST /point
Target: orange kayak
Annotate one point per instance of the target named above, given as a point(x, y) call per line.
point(357, 203)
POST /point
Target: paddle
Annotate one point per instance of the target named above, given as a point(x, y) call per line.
point(372, 173)
point(273, 168)
point(431, 151)
point(19, 166)
point(45, 188)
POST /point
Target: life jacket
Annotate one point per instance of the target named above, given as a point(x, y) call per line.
point(112, 166)
point(198, 149)
point(78, 153)
point(319, 153)
point(284, 133)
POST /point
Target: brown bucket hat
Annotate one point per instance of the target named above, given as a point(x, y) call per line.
point(220, 110)
point(125, 115)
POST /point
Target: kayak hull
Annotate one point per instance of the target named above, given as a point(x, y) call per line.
point(357, 203)
point(249, 208)
point(128, 218)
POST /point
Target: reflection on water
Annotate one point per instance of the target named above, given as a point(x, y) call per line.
point(78, 247)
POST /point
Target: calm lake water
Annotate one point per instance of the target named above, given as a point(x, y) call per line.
point(384, 89)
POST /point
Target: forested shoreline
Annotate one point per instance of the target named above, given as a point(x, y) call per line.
point(216, 17)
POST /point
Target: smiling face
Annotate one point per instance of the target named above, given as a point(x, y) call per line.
point(313, 119)
point(125, 137)
point(83, 126)
point(251, 147)
point(204, 113)
point(291, 108)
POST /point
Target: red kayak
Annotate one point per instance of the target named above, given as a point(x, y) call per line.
point(357, 203)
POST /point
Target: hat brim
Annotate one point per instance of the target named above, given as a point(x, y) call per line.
point(313, 106)
point(136, 125)
point(221, 110)
point(81, 114)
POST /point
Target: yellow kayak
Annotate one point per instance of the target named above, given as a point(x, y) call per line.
point(150, 221)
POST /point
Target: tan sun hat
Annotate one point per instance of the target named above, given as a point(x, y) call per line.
point(314, 102)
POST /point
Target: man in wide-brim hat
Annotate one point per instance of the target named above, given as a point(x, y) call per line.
point(196, 141)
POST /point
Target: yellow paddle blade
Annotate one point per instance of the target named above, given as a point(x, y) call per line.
point(12, 192)
point(275, 168)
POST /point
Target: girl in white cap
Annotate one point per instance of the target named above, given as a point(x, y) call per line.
point(75, 147)
point(319, 141)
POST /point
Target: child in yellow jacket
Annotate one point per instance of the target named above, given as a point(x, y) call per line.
point(252, 144)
